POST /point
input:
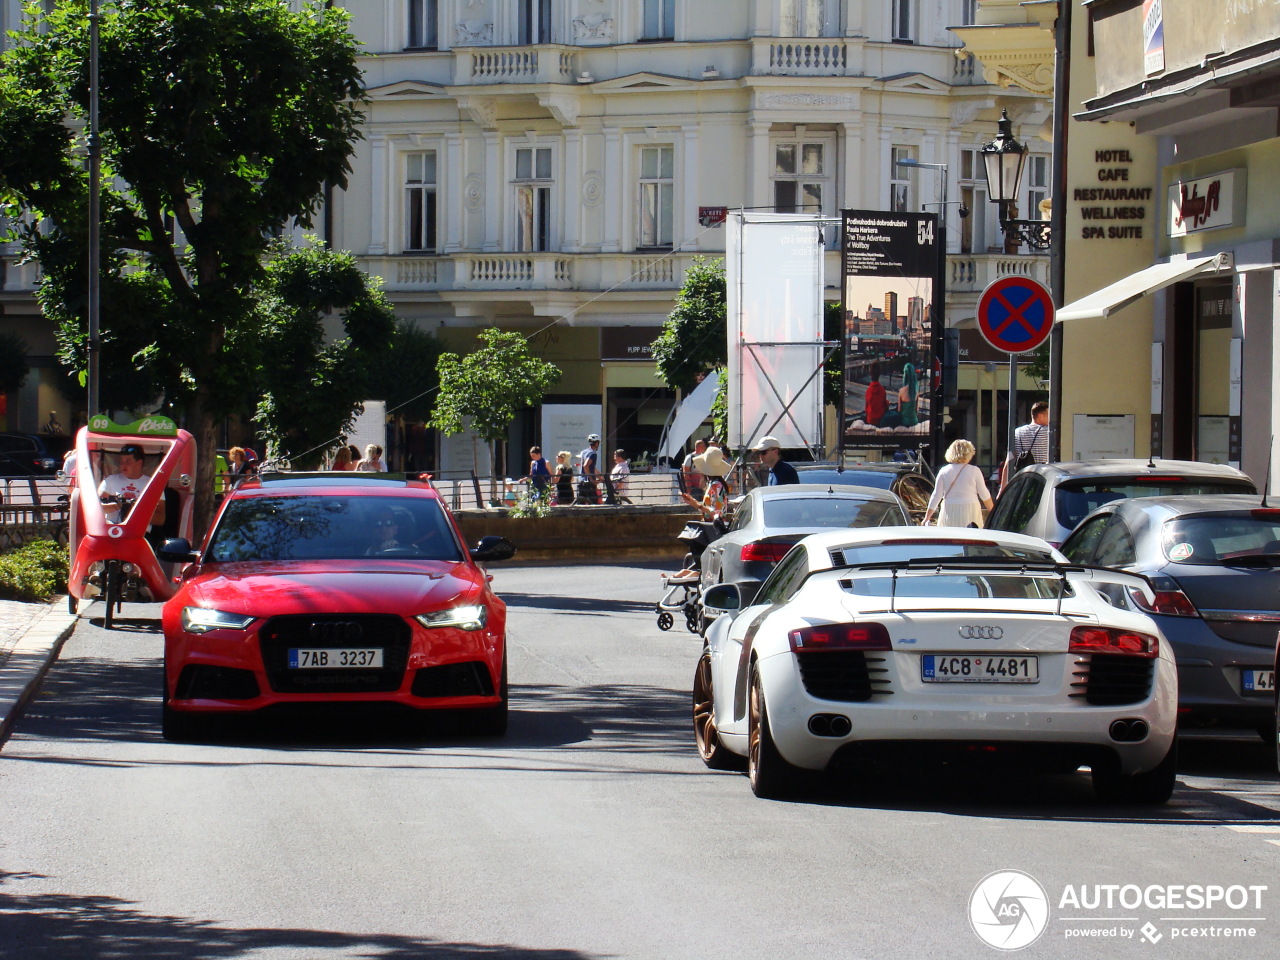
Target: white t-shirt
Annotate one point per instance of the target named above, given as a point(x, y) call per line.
point(118, 485)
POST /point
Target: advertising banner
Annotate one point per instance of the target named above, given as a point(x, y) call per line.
point(773, 270)
point(890, 266)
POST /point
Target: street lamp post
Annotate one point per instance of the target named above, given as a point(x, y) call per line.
point(1002, 162)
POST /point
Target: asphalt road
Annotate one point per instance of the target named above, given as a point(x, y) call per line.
point(591, 831)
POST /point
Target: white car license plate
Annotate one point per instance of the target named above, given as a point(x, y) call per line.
point(980, 668)
point(1258, 681)
point(335, 658)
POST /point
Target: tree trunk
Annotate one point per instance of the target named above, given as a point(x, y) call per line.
point(204, 428)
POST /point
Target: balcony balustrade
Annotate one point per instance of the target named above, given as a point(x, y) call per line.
point(540, 64)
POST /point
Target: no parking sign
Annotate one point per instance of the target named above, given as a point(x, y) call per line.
point(1015, 314)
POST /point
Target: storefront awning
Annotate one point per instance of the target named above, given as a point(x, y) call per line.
point(1104, 302)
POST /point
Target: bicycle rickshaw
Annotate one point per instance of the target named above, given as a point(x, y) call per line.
point(115, 560)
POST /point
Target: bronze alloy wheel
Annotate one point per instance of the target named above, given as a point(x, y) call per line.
point(710, 749)
point(772, 777)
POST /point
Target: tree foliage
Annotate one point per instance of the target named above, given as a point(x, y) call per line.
point(490, 385)
point(311, 384)
point(694, 338)
point(408, 377)
point(221, 123)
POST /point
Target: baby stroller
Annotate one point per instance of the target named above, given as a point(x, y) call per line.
point(682, 591)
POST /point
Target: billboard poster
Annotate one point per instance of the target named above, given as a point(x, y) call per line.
point(773, 272)
point(889, 272)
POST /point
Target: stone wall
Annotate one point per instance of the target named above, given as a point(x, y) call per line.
point(585, 533)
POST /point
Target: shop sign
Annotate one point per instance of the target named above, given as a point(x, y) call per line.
point(1153, 36)
point(1209, 203)
point(628, 343)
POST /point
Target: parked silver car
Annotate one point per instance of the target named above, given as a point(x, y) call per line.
point(1048, 500)
point(1214, 564)
point(768, 521)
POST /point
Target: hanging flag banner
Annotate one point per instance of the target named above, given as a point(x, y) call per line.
point(890, 262)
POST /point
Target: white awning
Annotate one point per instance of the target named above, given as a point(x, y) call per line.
point(1104, 302)
point(693, 410)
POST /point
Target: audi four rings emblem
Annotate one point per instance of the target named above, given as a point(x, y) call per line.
point(981, 633)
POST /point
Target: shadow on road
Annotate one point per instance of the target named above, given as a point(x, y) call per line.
point(58, 926)
point(87, 698)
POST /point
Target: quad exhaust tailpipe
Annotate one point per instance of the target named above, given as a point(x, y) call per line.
point(830, 725)
point(1128, 731)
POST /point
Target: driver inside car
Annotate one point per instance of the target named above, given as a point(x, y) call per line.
point(385, 531)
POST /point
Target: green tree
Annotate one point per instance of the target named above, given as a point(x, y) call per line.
point(13, 362)
point(408, 375)
point(221, 122)
point(694, 338)
point(489, 386)
point(311, 385)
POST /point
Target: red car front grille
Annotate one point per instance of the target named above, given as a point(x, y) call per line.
point(279, 635)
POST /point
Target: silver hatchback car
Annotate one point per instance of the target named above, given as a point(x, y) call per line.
point(1048, 500)
point(1214, 566)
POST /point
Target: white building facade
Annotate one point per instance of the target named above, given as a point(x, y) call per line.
point(553, 167)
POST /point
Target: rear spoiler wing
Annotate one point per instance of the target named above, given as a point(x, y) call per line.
point(1063, 573)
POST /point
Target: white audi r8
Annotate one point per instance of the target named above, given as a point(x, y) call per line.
point(936, 641)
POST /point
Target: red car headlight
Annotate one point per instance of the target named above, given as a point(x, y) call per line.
point(468, 616)
point(202, 620)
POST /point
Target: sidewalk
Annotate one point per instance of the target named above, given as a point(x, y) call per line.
point(31, 634)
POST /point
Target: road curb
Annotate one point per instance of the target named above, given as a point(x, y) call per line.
point(29, 660)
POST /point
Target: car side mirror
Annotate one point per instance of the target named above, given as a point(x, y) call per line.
point(723, 598)
point(177, 550)
point(493, 548)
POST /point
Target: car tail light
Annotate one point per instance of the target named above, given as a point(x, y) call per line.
point(840, 636)
point(1111, 640)
point(766, 552)
point(1265, 513)
point(1169, 601)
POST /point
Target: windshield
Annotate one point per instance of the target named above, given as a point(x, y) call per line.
point(831, 512)
point(332, 528)
point(1076, 499)
point(1224, 539)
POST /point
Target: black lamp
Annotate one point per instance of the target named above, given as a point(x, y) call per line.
point(1002, 162)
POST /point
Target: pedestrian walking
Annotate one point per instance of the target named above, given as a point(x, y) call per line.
point(1030, 443)
point(960, 493)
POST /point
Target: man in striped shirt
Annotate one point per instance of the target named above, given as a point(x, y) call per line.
point(1030, 443)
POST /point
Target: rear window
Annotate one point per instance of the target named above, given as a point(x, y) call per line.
point(831, 512)
point(1076, 499)
point(879, 479)
point(332, 528)
point(951, 586)
point(1223, 539)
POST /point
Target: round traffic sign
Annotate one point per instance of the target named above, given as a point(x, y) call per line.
point(1015, 314)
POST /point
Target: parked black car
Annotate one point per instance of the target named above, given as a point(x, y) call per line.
point(31, 455)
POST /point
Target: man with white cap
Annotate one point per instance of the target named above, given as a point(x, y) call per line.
point(780, 471)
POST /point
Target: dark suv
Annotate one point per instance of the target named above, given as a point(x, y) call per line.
point(31, 455)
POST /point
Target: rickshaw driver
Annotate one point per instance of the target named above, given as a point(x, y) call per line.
point(127, 485)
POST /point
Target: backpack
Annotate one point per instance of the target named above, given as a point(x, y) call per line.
point(1027, 458)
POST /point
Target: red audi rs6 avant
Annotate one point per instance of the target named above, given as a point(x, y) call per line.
point(335, 588)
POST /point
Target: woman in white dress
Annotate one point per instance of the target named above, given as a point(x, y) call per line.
point(960, 489)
